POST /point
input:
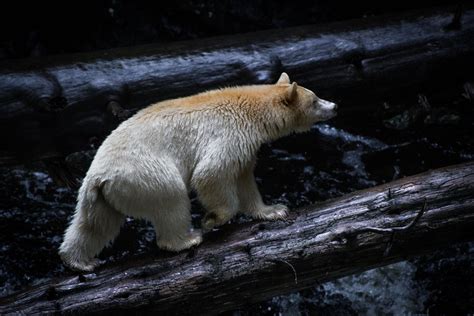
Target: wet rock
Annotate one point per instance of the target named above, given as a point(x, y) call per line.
point(405, 120)
point(423, 114)
point(410, 117)
point(442, 117)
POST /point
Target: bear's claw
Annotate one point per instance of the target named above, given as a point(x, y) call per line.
point(80, 265)
point(194, 238)
point(271, 212)
point(212, 220)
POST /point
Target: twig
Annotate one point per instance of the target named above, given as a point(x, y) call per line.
point(380, 230)
point(393, 230)
point(351, 232)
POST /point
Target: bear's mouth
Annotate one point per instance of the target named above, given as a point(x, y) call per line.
point(329, 115)
point(324, 115)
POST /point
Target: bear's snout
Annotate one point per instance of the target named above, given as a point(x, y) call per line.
point(327, 105)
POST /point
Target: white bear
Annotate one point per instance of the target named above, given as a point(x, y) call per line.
point(207, 142)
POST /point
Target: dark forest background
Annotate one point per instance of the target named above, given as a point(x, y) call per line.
point(39, 28)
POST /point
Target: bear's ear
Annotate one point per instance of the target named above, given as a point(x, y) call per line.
point(291, 93)
point(284, 79)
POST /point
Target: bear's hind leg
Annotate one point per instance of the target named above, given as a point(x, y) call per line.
point(91, 229)
point(173, 225)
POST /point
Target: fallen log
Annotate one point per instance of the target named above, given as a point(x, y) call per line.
point(53, 106)
point(253, 261)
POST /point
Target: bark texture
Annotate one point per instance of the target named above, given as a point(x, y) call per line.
point(244, 263)
point(51, 107)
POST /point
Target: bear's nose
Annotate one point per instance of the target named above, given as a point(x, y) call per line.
point(326, 105)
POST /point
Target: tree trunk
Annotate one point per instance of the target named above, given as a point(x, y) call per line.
point(250, 262)
point(50, 107)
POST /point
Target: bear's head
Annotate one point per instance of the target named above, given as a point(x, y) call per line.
point(306, 108)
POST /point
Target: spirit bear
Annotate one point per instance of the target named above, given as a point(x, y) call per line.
point(207, 142)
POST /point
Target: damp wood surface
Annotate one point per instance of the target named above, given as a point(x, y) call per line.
point(56, 105)
point(250, 262)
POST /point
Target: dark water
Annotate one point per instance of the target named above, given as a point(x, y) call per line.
point(332, 159)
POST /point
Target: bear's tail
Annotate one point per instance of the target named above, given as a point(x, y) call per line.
point(95, 224)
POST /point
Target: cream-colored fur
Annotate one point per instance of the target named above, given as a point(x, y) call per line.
point(207, 142)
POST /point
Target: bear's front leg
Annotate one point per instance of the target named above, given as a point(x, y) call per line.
point(251, 201)
point(219, 197)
